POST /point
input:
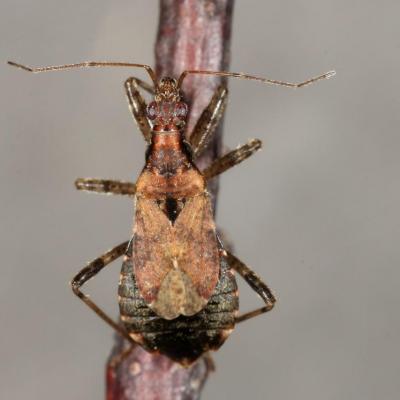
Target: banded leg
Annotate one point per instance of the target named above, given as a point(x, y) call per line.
point(255, 282)
point(106, 186)
point(137, 105)
point(88, 272)
point(208, 121)
point(232, 158)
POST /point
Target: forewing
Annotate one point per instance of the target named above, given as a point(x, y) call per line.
point(151, 248)
point(195, 232)
point(176, 266)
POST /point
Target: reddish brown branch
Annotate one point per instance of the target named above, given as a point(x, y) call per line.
point(192, 34)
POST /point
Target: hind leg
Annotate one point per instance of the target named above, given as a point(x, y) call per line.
point(91, 270)
point(255, 282)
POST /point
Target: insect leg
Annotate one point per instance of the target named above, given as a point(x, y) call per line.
point(232, 158)
point(88, 272)
point(208, 121)
point(106, 186)
point(255, 282)
point(137, 105)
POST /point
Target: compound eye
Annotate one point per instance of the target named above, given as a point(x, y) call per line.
point(181, 110)
point(152, 110)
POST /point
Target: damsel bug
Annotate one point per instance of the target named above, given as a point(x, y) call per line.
point(177, 291)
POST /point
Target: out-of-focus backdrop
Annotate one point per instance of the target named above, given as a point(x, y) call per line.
point(315, 213)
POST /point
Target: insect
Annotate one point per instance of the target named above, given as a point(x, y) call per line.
point(177, 290)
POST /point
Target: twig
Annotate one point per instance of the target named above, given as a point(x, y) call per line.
point(192, 34)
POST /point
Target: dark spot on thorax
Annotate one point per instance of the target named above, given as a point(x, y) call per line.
point(171, 207)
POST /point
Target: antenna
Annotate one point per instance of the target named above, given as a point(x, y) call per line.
point(255, 78)
point(87, 64)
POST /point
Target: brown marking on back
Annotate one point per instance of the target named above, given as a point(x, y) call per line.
point(175, 249)
point(177, 296)
point(188, 247)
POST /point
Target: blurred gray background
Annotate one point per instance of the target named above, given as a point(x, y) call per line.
point(315, 213)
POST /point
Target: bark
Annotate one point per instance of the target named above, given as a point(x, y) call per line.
point(192, 34)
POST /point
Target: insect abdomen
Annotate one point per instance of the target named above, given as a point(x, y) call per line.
point(183, 339)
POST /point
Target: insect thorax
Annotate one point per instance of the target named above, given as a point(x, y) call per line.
point(169, 171)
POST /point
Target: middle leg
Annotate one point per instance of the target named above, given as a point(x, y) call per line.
point(106, 186)
point(232, 158)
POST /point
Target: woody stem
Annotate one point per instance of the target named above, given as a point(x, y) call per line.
point(192, 35)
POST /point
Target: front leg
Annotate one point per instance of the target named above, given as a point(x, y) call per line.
point(208, 121)
point(106, 186)
point(255, 282)
point(137, 105)
point(88, 272)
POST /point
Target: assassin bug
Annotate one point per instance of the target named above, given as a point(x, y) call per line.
point(177, 290)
